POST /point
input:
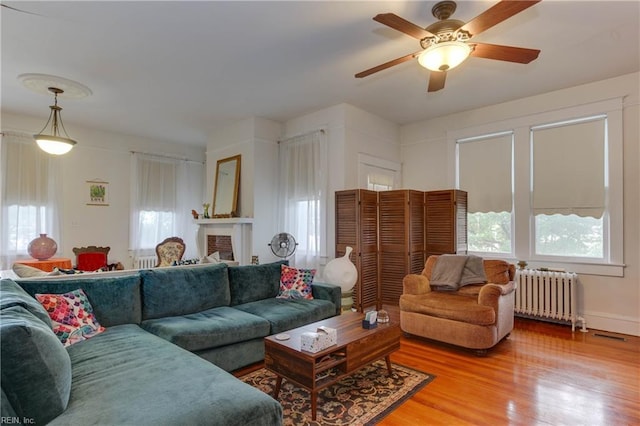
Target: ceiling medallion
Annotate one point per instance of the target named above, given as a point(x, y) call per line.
point(40, 83)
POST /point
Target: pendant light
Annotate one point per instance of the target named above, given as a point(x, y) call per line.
point(54, 143)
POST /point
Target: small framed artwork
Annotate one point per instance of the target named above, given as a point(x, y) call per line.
point(97, 193)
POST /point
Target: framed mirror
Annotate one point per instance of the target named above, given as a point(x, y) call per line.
point(225, 190)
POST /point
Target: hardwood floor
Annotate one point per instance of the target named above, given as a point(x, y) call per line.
point(543, 374)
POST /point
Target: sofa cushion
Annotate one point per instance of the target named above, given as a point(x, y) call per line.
point(209, 329)
point(285, 314)
point(35, 367)
point(249, 283)
point(295, 283)
point(450, 306)
point(14, 295)
point(126, 376)
point(72, 316)
point(115, 299)
point(182, 290)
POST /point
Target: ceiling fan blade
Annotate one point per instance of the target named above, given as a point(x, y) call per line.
point(388, 64)
point(19, 10)
point(496, 14)
point(504, 53)
point(436, 80)
point(402, 25)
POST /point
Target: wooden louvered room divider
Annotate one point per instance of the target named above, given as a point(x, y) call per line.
point(357, 227)
point(392, 233)
point(446, 222)
point(401, 246)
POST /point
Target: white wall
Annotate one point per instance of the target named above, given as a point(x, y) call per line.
point(256, 140)
point(607, 303)
point(105, 156)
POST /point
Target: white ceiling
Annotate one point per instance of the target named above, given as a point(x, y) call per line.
point(177, 70)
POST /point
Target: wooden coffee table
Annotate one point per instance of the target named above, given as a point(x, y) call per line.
point(356, 348)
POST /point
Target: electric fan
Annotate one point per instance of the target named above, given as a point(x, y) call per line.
point(283, 245)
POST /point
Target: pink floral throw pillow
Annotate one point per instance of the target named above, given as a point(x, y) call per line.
point(72, 316)
point(295, 283)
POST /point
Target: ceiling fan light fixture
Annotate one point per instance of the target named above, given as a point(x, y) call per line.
point(54, 143)
point(444, 56)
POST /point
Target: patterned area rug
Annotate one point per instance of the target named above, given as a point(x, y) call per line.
point(363, 398)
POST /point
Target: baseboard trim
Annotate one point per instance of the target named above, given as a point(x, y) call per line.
point(613, 323)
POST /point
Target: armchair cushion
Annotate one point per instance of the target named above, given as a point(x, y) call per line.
point(91, 258)
point(91, 261)
point(449, 305)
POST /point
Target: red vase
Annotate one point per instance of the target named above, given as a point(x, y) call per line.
point(42, 248)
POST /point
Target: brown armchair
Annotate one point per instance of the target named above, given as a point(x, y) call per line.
point(475, 316)
point(169, 251)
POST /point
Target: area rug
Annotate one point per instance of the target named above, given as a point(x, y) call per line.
point(363, 398)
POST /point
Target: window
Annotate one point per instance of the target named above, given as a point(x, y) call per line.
point(379, 182)
point(161, 187)
point(376, 174)
point(546, 188)
point(303, 195)
point(568, 190)
point(30, 186)
point(485, 165)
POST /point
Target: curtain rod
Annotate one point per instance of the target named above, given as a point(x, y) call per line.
point(173, 157)
point(302, 134)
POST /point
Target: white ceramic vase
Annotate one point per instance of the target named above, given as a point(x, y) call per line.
point(342, 272)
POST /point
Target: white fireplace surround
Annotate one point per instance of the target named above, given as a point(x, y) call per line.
point(239, 228)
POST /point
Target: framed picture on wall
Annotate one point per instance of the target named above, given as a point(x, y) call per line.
point(97, 193)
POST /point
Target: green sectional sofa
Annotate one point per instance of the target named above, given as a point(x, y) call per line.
point(172, 336)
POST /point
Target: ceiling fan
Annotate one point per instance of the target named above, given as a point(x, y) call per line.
point(16, 9)
point(446, 43)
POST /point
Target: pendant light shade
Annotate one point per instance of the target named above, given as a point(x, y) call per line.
point(54, 142)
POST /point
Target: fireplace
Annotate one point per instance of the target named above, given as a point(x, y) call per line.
point(231, 237)
point(221, 244)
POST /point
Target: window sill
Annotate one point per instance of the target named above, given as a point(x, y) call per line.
point(604, 269)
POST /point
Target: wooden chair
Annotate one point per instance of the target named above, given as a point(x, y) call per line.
point(169, 251)
point(91, 258)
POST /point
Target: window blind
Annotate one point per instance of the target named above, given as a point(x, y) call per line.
point(569, 168)
point(484, 171)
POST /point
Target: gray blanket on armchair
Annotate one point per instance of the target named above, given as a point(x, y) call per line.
point(453, 271)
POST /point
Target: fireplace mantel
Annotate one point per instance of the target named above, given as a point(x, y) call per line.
point(239, 228)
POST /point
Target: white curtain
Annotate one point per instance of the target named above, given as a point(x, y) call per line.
point(31, 196)
point(163, 193)
point(303, 195)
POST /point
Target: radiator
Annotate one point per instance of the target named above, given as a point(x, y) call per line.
point(547, 295)
point(144, 262)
